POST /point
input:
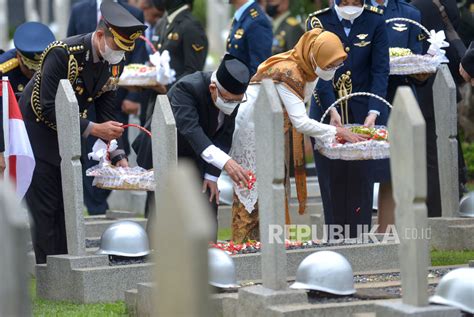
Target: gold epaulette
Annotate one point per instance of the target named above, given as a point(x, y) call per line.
point(253, 13)
point(9, 65)
point(72, 73)
point(319, 12)
point(313, 20)
point(373, 9)
point(74, 49)
point(292, 21)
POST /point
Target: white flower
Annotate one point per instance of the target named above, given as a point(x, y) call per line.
point(164, 74)
point(437, 40)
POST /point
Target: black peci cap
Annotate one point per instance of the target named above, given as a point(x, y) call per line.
point(233, 75)
point(124, 27)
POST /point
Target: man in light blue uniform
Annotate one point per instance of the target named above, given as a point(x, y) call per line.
point(346, 186)
point(251, 35)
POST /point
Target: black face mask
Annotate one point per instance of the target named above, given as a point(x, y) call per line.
point(272, 10)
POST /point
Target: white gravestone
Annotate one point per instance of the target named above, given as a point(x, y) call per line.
point(164, 142)
point(269, 144)
point(14, 300)
point(408, 167)
point(184, 226)
point(69, 138)
point(445, 110)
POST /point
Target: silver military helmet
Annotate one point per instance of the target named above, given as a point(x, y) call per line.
point(466, 206)
point(226, 189)
point(221, 269)
point(456, 289)
point(325, 271)
point(124, 238)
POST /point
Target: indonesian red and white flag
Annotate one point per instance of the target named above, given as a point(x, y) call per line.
point(18, 151)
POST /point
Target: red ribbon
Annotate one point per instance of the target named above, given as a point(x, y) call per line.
point(130, 125)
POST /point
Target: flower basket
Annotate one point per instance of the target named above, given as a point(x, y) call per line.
point(376, 148)
point(108, 176)
point(403, 62)
point(137, 75)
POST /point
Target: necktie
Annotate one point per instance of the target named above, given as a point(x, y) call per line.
point(346, 23)
point(381, 7)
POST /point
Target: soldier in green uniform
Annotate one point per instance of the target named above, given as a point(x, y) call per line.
point(286, 29)
point(92, 63)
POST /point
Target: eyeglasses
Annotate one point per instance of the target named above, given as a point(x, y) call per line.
point(244, 99)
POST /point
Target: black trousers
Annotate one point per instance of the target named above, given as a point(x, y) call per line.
point(433, 198)
point(322, 169)
point(351, 190)
point(45, 203)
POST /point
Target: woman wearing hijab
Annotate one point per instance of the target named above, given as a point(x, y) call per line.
point(317, 54)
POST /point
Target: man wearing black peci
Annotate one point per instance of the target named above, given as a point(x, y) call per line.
point(204, 105)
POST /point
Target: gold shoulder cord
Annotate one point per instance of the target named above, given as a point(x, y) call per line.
point(9, 65)
point(72, 73)
point(344, 88)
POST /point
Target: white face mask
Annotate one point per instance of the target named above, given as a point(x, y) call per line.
point(226, 107)
point(111, 56)
point(325, 74)
point(349, 12)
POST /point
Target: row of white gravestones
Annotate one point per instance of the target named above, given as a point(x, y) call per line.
point(181, 267)
point(445, 110)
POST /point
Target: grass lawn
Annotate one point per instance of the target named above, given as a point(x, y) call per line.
point(440, 258)
point(46, 308)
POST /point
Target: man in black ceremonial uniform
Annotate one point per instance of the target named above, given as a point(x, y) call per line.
point(92, 63)
point(204, 105)
point(183, 36)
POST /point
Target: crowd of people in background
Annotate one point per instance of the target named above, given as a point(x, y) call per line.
point(265, 40)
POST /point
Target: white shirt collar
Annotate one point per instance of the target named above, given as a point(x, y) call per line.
point(238, 13)
point(173, 15)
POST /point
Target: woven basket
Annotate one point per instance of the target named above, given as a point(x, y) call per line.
point(367, 150)
point(413, 64)
point(119, 178)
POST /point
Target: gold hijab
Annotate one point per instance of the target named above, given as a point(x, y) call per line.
point(325, 47)
point(294, 69)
